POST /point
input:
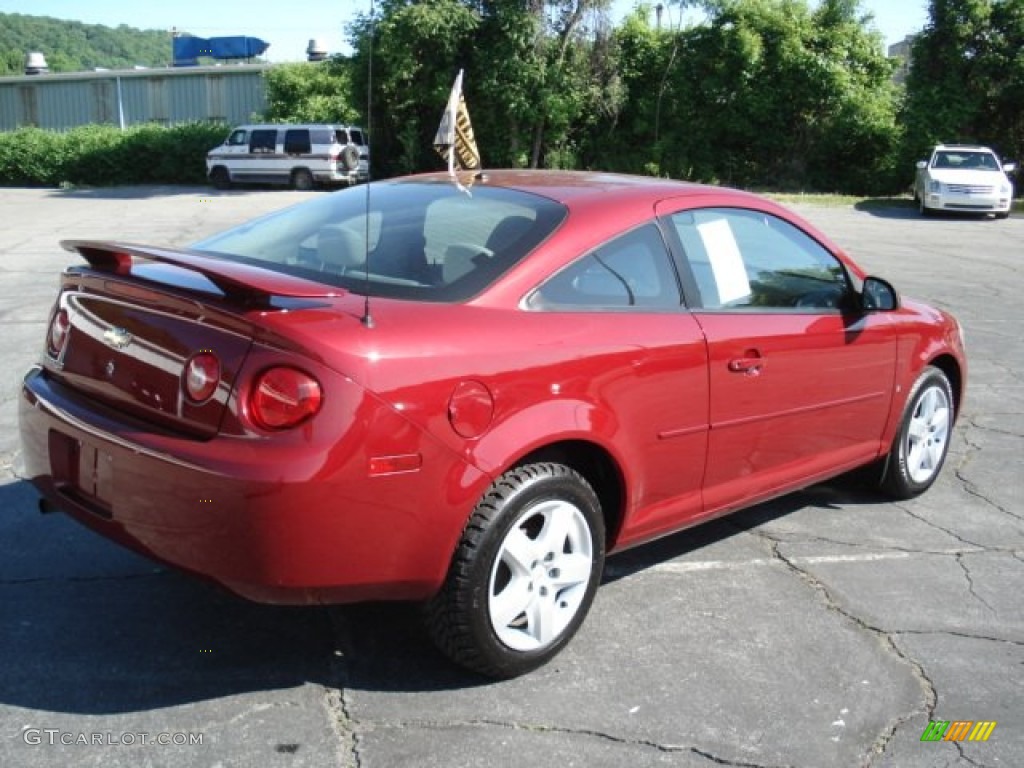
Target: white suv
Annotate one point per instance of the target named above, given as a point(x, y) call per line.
point(966, 178)
point(300, 156)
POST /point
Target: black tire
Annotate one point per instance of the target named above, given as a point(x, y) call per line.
point(922, 443)
point(350, 157)
point(220, 178)
point(1003, 215)
point(302, 180)
point(489, 574)
point(922, 208)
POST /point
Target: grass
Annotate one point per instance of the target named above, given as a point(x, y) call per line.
point(841, 201)
point(845, 201)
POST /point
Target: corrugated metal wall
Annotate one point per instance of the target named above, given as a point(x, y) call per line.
point(167, 96)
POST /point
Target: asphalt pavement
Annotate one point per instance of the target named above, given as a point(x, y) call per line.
point(826, 628)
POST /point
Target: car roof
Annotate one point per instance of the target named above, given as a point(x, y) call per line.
point(582, 189)
point(290, 126)
point(972, 147)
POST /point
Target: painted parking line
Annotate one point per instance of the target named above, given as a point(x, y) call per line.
point(734, 565)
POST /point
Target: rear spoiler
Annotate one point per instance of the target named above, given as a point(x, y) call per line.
point(237, 281)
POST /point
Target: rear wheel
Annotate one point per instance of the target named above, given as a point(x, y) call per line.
point(921, 445)
point(302, 180)
point(524, 574)
point(1003, 215)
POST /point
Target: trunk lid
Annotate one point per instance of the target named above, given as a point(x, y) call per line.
point(136, 316)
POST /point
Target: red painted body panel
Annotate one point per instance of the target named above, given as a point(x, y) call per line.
point(817, 401)
point(426, 406)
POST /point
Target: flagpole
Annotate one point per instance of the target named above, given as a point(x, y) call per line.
point(453, 112)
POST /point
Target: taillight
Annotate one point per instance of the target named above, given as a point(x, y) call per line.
point(201, 377)
point(284, 397)
point(58, 337)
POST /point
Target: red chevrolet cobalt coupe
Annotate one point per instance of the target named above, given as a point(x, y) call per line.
point(467, 396)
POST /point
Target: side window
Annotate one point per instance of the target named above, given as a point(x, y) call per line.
point(263, 142)
point(357, 136)
point(238, 138)
point(632, 270)
point(751, 261)
point(296, 141)
point(321, 136)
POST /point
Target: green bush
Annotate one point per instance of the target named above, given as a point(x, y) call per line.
point(103, 155)
point(31, 157)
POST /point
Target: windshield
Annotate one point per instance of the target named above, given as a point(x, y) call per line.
point(425, 240)
point(966, 161)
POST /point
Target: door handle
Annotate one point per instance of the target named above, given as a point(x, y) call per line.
point(751, 363)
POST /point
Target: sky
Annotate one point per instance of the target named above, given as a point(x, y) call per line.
point(289, 27)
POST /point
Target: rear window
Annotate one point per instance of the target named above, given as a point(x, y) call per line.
point(422, 240)
point(354, 135)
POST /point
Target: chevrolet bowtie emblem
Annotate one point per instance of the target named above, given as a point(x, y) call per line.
point(118, 338)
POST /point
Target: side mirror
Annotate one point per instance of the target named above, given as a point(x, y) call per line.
point(878, 295)
point(1009, 167)
point(922, 164)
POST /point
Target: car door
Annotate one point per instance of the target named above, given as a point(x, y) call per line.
point(800, 381)
point(642, 359)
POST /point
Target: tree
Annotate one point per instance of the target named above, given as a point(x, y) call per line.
point(536, 75)
point(417, 49)
point(966, 80)
point(314, 92)
point(945, 57)
point(574, 84)
point(1004, 67)
point(765, 92)
point(72, 46)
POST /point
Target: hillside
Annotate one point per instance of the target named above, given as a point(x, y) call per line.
point(71, 46)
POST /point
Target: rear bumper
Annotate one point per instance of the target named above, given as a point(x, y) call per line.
point(341, 177)
point(273, 525)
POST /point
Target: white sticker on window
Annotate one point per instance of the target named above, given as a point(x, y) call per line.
point(726, 262)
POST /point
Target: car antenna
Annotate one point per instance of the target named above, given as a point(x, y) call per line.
point(367, 318)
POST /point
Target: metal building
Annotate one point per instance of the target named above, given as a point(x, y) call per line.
point(231, 94)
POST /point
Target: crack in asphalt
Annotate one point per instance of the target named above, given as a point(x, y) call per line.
point(885, 638)
point(349, 730)
point(970, 583)
point(994, 430)
point(540, 728)
point(339, 710)
point(968, 485)
point(965, 758)
point(948, 531)
point(875, 547)
point(82, 579)
point(958, 634)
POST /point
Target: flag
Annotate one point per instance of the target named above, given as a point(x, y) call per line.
point(454, 140)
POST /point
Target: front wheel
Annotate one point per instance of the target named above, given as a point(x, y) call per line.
point(524, 573)
point(921, 445)
point(923, 209)
point(220, 178)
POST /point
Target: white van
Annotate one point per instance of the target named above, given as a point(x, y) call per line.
point(299, 156)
